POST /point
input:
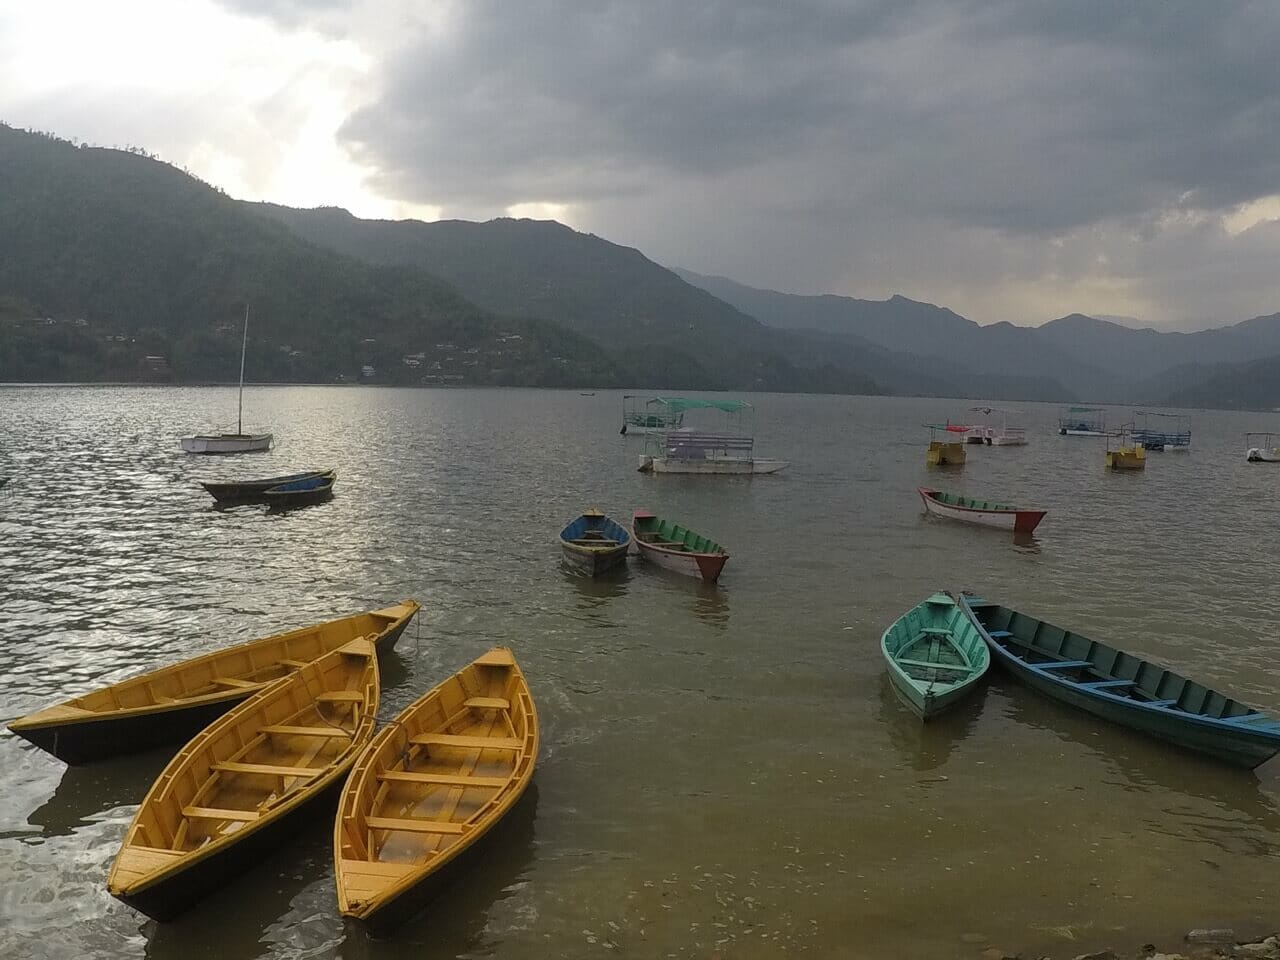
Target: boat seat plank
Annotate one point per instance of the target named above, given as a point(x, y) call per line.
point(1062, 664)
point(376, 868)
point(233, 682)
point(290, 730)
point(1104, 684)
point(215, 813)
point(340, 696)
point(290, 662)
point(495, 658)
point(487, 703)
point(267, 769)
point(960, 667)
point(935, 631)
point(998, 634)
point(413, 825)
point(460, 740)
point(595, 542)
point(1159, 703)
point(444, 779)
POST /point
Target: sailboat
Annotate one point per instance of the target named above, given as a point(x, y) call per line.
point(238, 442)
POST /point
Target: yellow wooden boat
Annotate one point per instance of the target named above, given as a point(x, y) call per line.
point(172, 704)
point(430, 786)
point(242, 784)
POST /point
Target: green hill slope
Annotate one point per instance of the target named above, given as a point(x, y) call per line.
point(107, 257)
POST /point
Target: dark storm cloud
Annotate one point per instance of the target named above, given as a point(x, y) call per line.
point(1022, 115)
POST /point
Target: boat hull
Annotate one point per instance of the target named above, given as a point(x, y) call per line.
point(1127, 458)
point(311, 490)
point(233, 491)
point(1223, 738)
point(704, 565)
point(1081, 433)
point(227, 443)
point(1017, 521)
point(179, 893)
point(717, 466)
point(594, 562)
point(1263, 455)
point(99, 736)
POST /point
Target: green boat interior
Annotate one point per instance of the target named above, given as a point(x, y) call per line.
point(672, 536)
point(1095, 666)
point(952, 500)
point(930, 644)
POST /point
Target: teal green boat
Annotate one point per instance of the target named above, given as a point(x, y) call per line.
point(934, 655)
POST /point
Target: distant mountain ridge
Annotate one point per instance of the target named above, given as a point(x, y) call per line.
point(1093, 359)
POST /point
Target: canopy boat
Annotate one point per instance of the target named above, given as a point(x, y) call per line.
point(1162, 431)
point(947, 452)
point(997, 435)
point(311, 489)
point(1124, 688)
point(241, 491)
point(240, 786)
point(970, 510)
point(934, 656)
point(1124, 453)
point(429, 787)
point(1083, 422)
point(1262, 448)
point(238, 442)
point(695, 451)
point(642, 416)
point(677, 548)
point(171, 704)
point(594, 543)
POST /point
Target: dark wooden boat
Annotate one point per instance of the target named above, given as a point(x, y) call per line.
point(243, 783)
point(594, 543)
point(234, 491)
point(172, 704)
point(1123, 688)
point(430, 787)
point(296, 492)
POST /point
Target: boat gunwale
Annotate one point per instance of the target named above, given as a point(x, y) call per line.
point(604, 550)
point(928, 494)
point(1229, 723)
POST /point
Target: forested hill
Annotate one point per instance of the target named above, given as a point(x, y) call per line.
point(108, 258)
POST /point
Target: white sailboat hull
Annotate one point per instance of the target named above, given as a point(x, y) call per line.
point(227, 443)
point(1264, 455)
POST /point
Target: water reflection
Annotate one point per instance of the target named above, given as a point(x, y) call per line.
point(454, 923)
point(927, 746)
point(282, 897)
point(1189, 795)
point(598, 590)
point(89, 790)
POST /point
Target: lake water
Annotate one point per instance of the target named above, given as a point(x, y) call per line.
point(725, 770)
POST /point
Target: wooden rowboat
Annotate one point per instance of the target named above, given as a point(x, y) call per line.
point(677, 548)
point(433, 782)
point(1124, 688)
point(172, 704)
point(298, 492)
point(240, 491)
point(971, 510)
point(934, 655)
point(242, 784)
point(594, 543)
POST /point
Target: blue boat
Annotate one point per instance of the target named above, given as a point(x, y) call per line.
point(306, 490)
point(593, 543)
point(1123, 688)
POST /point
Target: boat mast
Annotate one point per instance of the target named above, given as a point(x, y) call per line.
point(244, 341)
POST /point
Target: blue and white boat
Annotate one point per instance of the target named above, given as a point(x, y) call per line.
point(594, 543)
point(1124, 688)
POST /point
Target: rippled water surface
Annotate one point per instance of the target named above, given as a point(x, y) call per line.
point(724, 769)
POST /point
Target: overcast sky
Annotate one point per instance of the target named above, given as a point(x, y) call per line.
point(1014, 160)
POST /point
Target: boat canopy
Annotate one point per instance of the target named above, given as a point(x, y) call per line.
point(682, 404)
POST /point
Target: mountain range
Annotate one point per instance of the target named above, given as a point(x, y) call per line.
point(114, 265)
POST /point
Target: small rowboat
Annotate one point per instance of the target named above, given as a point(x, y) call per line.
point(934, 655)
point(311, 489)
point(987, 514)
point(244, 490)
point(1123, 688)
point(594, 543)
point(677, 548)
point(430, 786)
point(242, 784)
point(172, 704)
